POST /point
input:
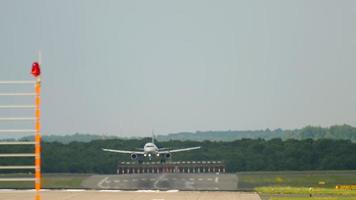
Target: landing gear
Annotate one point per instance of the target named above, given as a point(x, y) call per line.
point(140, 161)
point(163, 161)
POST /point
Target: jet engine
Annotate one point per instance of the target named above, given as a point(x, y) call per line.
point(167, 156)
point(134, 156)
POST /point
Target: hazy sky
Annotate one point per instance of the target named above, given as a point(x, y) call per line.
point(127, 67)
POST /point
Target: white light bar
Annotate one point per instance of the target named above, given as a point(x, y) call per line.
point(17, 118)
point(17, 106)
point(18, 131)
point(17, 167)
point(17, 143)
point(17, 155)
point(17, 94)
point(17, 179)
point(17, 82)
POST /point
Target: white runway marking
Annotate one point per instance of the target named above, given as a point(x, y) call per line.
point(117, 181)
point(172, 191)
point(216, 179)
point(100, 184)
point(158, 179)
point(189, 185)
point(74, 190)
point(209, 179)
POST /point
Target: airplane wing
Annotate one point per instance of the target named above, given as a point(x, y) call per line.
point(123, 151)
point(164, 149)
point(178, 150)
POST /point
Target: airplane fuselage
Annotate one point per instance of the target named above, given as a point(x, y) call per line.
point(150, 149)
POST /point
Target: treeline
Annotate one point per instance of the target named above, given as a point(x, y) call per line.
point(337, 132)
point(77, 137)
point(239, 155)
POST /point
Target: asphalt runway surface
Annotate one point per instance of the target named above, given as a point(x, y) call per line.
point(169, 181)
point(128, 195)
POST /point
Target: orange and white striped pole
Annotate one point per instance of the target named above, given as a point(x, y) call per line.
point(36, 71)
point(38, 140)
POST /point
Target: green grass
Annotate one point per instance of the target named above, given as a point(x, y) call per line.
point(302, 193)
point(314, 198)
point(48, 181)
point(63, 181)
point(291, 185)
point(324, 179)
point(304, 190)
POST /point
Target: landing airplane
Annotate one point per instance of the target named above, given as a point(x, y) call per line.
point(150, 150)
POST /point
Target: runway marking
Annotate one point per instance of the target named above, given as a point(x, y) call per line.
point(216, 179)
point(209, 179)
point(143, 179)
point(200, 179)
point(152, 179)
point(7, 190)
point(117, 181)
point(192, 179)
point(189, 184)
point(172, 191)
point(100, 184)
point(158, 180)
point(74, 190)
point(125, 180)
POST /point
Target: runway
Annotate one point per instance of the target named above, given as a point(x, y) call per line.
point(127, 195)
point(168, 181)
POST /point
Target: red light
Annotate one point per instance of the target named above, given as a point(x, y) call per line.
point(36, 70)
